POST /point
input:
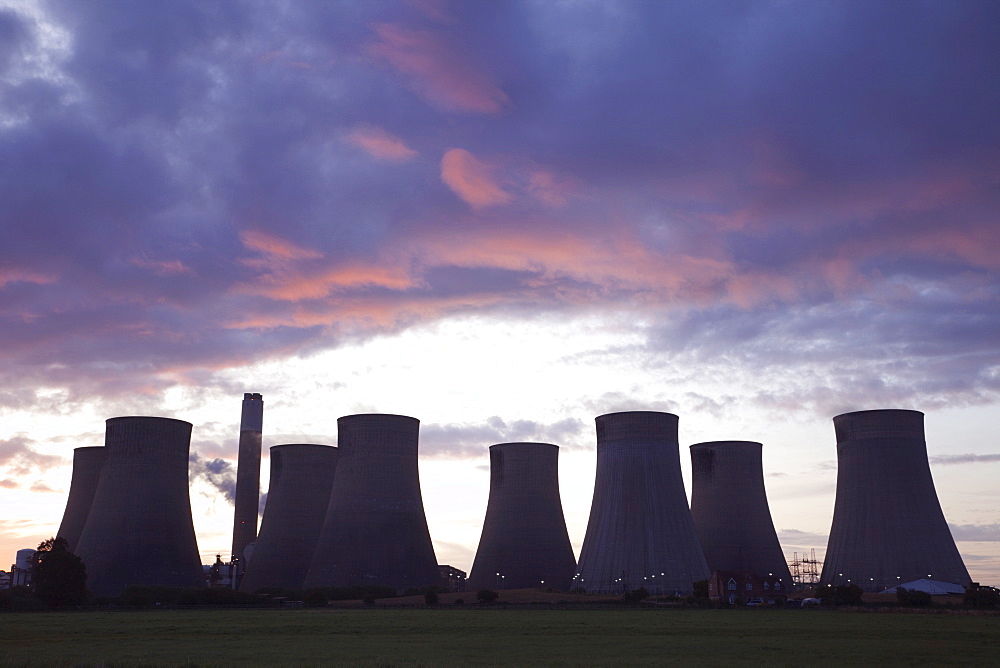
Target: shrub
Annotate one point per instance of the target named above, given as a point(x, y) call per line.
point(487, 596)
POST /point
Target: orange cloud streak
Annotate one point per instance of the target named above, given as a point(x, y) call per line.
point(471, 179)
point(380, 144)
point(438, 72)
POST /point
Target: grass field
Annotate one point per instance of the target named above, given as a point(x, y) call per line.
point(491, 637)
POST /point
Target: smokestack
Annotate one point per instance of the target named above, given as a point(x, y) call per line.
point(524, 541)
point(87, 465)
point(139, 530)
point(730, 511)
point(888, 527)
point(301, 480)
point(640, 532)
point(247, 503)
point(375, 531)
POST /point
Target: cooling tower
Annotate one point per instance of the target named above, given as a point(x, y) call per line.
point(524, 541)
point(888, 527)
point(301, 479)
point(730, 511)
point(139, 530)
point(87, 465)
point(248, 477)
point(375, 531)
point(640, 532)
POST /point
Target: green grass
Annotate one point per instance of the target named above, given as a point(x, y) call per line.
point(449, 637)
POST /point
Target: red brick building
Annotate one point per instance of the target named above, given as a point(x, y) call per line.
point(743, 587)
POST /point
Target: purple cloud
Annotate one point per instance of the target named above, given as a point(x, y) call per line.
point(191, 186)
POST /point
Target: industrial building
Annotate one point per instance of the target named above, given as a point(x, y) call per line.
point(730, 510)
point(888, 527)
point(524, 541)
point(640, 532)
point(139, 529)
point(375, 531)
point(88, 462)
point(247, 502)
point(301, 481)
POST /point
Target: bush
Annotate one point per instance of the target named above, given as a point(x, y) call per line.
point(840, 595)
point(982, 597)
point(700, 589)
point(635, 596)
point(430, 597)
point(459, 601)
point(913, 597)
point(487, 596)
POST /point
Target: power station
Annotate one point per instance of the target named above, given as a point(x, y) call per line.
point(640, 532)
point(375, 531)
point(730, 510)
point(247, 502)
point(353, 515)
point(888, 527)
point(87, 465)
point(301, 480)
point(139, 529)
point(524, 541)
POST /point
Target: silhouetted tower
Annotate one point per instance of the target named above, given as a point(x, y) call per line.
point(375, 531)
point(139, 530)
point(301, 480)
point(87, 465)
point(888, 527)
point(247, 502)
point(524, 541)
point(730, 511)
point(640, 532)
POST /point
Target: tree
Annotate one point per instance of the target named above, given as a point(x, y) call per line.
point(635, 596)
point(430, 597)
point(59, 577)
point(701, 589)
point(487, 596)
point(914, 597)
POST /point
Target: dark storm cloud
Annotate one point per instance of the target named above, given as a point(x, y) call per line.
point(805, 187)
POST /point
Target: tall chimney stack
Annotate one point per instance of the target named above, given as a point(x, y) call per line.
point(248, 477)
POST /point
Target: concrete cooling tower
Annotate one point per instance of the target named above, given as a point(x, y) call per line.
point(247, 500)
point(730, 511)
point(87, 465)
point(139, 530)
point(888, 527)
point(640, 532)
point(301, 480)
point(524, 541)
point(375, 532)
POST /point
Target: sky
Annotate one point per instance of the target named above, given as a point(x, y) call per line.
point(503, 218)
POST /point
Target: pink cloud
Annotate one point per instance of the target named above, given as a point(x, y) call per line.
point(163, 267)
point(549, 188)
point(437, 70)
point(274, 246)
point(380, 144)
point(471, 179)
point(295, 286)
point(17, 275)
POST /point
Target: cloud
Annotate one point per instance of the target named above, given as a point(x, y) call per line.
point(799, 538)
point(437, 69)
point(471, 440)
point(20, 459)
point(975, 532)
point(964, 459)
point(471, 179)
point(218, 473)
point(380, 144)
